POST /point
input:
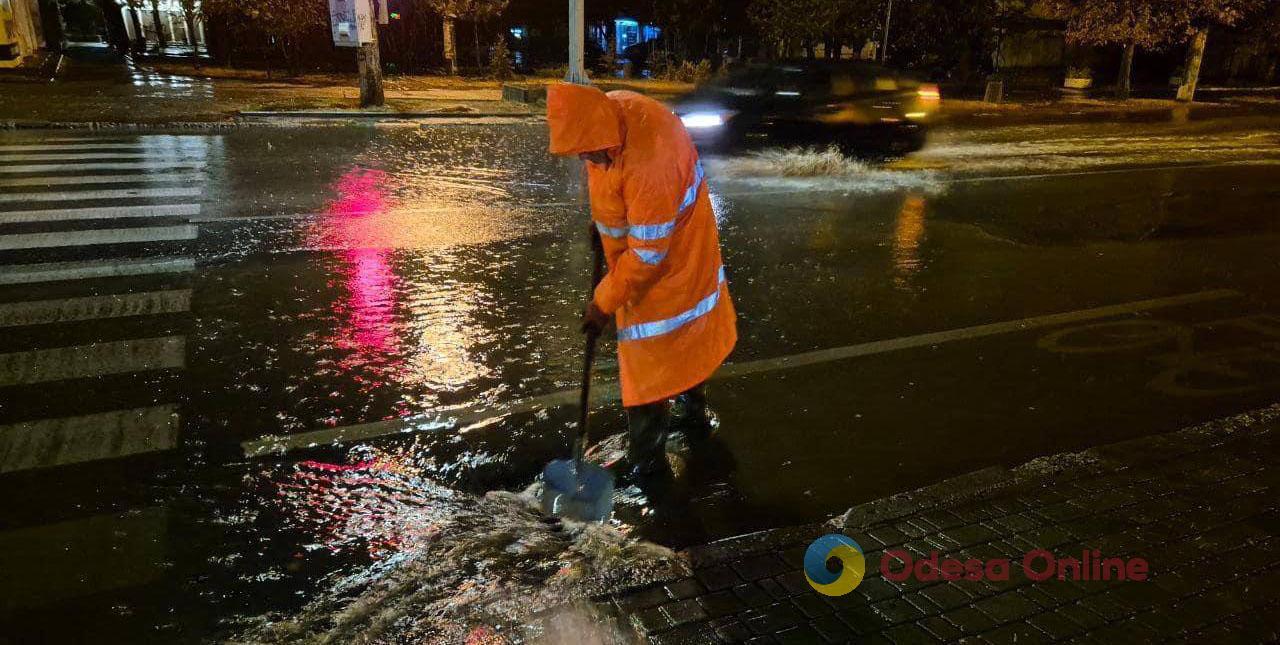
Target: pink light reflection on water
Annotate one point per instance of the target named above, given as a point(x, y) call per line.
point(368, 327)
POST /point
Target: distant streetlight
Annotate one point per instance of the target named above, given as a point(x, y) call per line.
point(577, 39)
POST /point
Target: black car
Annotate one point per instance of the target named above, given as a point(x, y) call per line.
point(858, 106)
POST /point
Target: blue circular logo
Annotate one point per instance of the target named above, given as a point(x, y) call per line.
point(846, 577)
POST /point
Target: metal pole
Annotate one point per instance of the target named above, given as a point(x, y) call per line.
point(577, 42)
point(884, 42)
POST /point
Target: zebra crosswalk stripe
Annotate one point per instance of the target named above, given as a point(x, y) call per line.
point(116, 305)
point(94, 237)
point(63, 167)
point(86, 270)
point(87, 180)
point(81, 195)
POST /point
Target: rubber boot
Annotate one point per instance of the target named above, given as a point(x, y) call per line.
point(647, 440)
point(692, 416)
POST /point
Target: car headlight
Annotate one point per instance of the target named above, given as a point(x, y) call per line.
point(702, 120)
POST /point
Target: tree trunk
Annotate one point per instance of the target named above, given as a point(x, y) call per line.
point(1191, 77)
point(140, 36)
point(117, 35)
point(1123, 83)
point(450, 47)
point(371, 94)
point(161, 40)
point(190, 21)
point(475, 37)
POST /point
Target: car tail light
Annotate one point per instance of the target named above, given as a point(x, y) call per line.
point(929, 92)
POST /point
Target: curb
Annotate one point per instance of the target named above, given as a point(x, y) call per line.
point(116, 125)
point(260, 119)
point(985, 483)
point(381, 115)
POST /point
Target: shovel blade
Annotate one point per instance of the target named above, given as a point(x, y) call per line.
point(577, 490)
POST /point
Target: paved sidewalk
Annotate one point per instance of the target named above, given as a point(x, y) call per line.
point(1198, 505)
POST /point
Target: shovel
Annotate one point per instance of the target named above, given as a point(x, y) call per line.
point(575, 488)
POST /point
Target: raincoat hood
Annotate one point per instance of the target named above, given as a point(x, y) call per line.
point(581, 119)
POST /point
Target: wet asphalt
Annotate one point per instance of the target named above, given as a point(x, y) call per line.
point(1006, 293)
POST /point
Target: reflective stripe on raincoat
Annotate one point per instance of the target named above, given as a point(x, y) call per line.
point(666, 283)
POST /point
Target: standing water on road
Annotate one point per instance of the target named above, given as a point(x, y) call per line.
point(416, 293)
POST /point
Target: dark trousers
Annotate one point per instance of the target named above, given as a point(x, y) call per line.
point(647, 427)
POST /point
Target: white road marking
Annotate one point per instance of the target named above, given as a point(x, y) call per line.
point(73, 440)
point(95, 237)
point(99, 212)
point(463, 416)
point(86, 156)
point(78, 167)
point(86, 180)
point(81, 144)
point(1111, 171)
point(84, 270)
point(98, 359)
point(119, 305)
point(122, 193)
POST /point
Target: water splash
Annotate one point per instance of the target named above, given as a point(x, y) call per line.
point(828, 169)
point(449, 567)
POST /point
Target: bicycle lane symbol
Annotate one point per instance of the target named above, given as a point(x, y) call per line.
point(1222, 357)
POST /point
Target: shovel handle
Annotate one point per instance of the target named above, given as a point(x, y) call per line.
point(589, 355)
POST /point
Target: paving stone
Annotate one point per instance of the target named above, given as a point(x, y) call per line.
point(888, 535)
point(940, 628)
point(874, 589)
point(811, 605)
point(733, 632)
point(832, 629)
point(969, 620)
point(946, 595)
point(717, 577)
point(1055, 625)
point(910, 634)
point(1007, 607)
point(1020, 633)
point(721, 603)
point(771, 587)
point(863, 620)
point(794, 557)
point(1107, 605)
point(684, 611)
point(1214, 560)
point(762, 566)
point(970, 534)
point(686, 588)
point(774, 618)
point(801, 635)
point(638, 600)
point(752, 596)
point(651, 620)
point(1037, 595)
point(1082, 616)
point(794, 582)
point(897, 610)
point(700, 633)
point(910, 530)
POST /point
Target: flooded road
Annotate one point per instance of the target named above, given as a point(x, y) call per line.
point(217, 346)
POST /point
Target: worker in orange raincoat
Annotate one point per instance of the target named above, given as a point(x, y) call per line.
point(665, 287)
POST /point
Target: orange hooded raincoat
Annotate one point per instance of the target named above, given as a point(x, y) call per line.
point(666, 284)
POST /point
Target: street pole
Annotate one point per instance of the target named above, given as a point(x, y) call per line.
point(367, 58)
point(577, 42)
point(884, 42)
